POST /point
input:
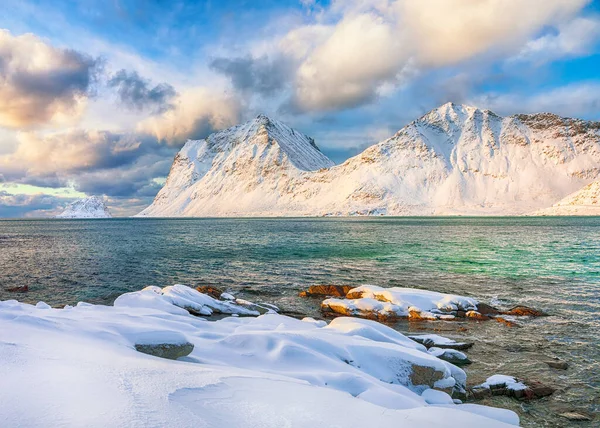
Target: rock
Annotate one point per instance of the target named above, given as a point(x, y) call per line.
point(326, 290)
point(525, 311)
point(171, 351)
point(539, 390)
point(210, 290)
point(18, 289)
point(575, 416)
point(429, 340)
point(507, 322)
point(474, 315)
point(486, 309)
point(460, 314)
point(425, 375)
point(478, 393)
point(450, 355)
point(560, 365)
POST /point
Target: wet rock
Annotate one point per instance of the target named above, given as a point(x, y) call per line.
point(326, 290)
point(560, 365)
point(210, 290)
point(474, 315)
point(478, 393)
point(539, 390)
point(486, 309)
point(424, 375)
point(170, 351)
point(512, 387)
point(525, 311)
point(506, 322)
point(430, 340)
point(575, 416)
point(461, 314)
point(18, 289)
point(450, 355)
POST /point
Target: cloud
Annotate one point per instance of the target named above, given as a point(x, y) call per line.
point(573, 38)
point(40, 83)
point(197, 112)
point(136, 93)
point(575, 100)
point(257, 75)
point(365, 48)
point(23, 205)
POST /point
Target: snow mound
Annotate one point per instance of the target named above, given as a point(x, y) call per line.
point(181, 299)
point(78, 367)
point(371, 301)
point(90, 207)
point(585, 201)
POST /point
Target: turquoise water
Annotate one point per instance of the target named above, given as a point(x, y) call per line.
point(549, 263)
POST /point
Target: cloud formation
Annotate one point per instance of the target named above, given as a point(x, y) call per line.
point(40, 83)
point(257, 75)
point(23, 205)
point(137, 93)
point(371, 46)
point(197, 112)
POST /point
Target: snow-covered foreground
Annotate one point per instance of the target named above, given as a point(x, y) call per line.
point(78, 366)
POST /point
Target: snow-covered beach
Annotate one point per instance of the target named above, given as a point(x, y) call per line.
point(78, 366)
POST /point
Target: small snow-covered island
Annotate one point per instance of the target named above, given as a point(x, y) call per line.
point(159, 357)
point(90, 207)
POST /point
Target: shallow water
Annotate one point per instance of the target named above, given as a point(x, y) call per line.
point(548, 263)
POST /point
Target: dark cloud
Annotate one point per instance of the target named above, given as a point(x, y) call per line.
point(21, 205)
point(39, 82)
point(137, 93)
point(262, 75)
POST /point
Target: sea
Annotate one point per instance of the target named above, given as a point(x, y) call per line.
point(549, 263)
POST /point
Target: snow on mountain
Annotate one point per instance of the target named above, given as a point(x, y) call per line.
point(90, 207)
point(585, 201)
point(454, 160)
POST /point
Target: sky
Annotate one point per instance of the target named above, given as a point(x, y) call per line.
point(96, 97)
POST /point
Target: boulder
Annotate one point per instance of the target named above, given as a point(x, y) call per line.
point(425, 375)
point(450, 355)
point(557, 364)
point(525, 311)
point(486, 309)
point(170, 351)
point(326, 290)
point(210, 290)
point(506, 322)
point(476, 316)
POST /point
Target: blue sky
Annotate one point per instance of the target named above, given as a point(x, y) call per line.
point(96, 97)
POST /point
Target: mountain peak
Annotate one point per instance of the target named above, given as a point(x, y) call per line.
point(88, 207)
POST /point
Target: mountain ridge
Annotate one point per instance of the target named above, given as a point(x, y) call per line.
point(89, 207)
point(455, 159)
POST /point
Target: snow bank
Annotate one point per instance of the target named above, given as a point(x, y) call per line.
point(78, 367)
point(180, 299)
point(371, 301)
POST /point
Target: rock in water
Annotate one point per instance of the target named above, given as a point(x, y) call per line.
point(559, 365)
point(170, 351)
point(90, 207)
point(525, 311)
point(575, 416)
point(326, 290)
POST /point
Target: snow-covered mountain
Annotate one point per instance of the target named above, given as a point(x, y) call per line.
point(454, 160)
point(90, 207)
point(583, 202)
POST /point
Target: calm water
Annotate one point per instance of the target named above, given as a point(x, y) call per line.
point(548, 263)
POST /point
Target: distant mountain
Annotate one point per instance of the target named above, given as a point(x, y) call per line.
point(456, 159)
point(585, 201)
point(90, 207)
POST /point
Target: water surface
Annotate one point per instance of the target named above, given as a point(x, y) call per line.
point(549, 263)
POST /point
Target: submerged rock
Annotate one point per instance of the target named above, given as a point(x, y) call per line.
point(326, 290)
point(560, 365)
point(18, 289)
point(525, 311)
point(575, 416)
point(170, 351)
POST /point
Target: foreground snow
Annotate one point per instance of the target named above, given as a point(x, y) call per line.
point(454, 160)
point(90, 207)
point(78, 367)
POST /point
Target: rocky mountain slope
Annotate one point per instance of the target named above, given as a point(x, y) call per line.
point(583, 202)
point(90, 207)
point(454, 160)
